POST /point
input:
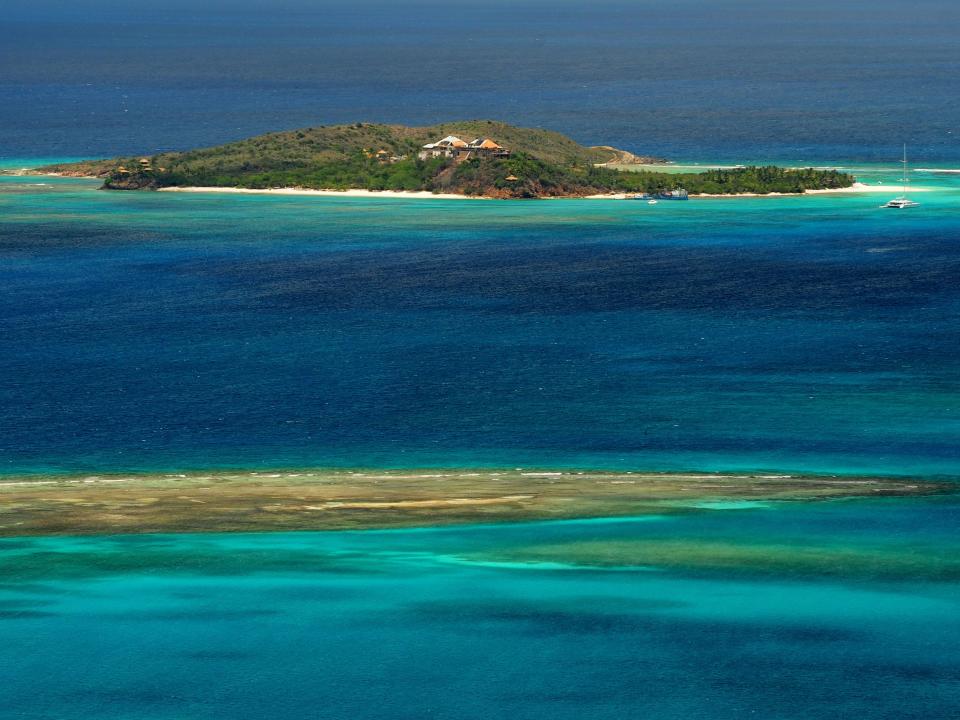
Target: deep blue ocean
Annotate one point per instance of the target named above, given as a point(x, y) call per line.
point(737, 80)
point(172, 331)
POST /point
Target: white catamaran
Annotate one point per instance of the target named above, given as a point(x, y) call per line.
point(903, 201)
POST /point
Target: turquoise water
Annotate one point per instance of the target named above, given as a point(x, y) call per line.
point(173, 331)
point(452, 623)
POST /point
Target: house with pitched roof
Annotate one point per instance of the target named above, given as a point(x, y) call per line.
point(453, 147)
point(445, 147)
point(487, 147)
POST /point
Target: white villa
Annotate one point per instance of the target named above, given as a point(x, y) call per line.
point(452, 146)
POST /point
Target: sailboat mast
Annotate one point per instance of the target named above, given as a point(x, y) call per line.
point(904, 169)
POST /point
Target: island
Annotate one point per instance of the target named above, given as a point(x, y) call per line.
point(480, 158)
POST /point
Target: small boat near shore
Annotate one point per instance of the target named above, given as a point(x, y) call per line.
point(677, 194)
point(902, 202)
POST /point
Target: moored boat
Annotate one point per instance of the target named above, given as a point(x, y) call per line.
point(676, 194)
point(902, 202)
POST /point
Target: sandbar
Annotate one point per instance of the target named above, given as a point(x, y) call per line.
point(362, 499)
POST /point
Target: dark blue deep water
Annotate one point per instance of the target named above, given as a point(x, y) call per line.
point(174, 331)
point(741, 80)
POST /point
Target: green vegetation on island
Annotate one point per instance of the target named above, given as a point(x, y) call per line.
point(493, 160)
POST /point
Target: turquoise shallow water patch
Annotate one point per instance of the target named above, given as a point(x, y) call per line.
point(380, 624)
point(726, 504)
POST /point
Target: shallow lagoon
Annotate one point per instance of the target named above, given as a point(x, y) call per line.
point(441, 623)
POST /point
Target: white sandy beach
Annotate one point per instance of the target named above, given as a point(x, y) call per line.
point(853, 189)
point(360, 193)
point(893, 188)
point(424, 194)
point(856, 188)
